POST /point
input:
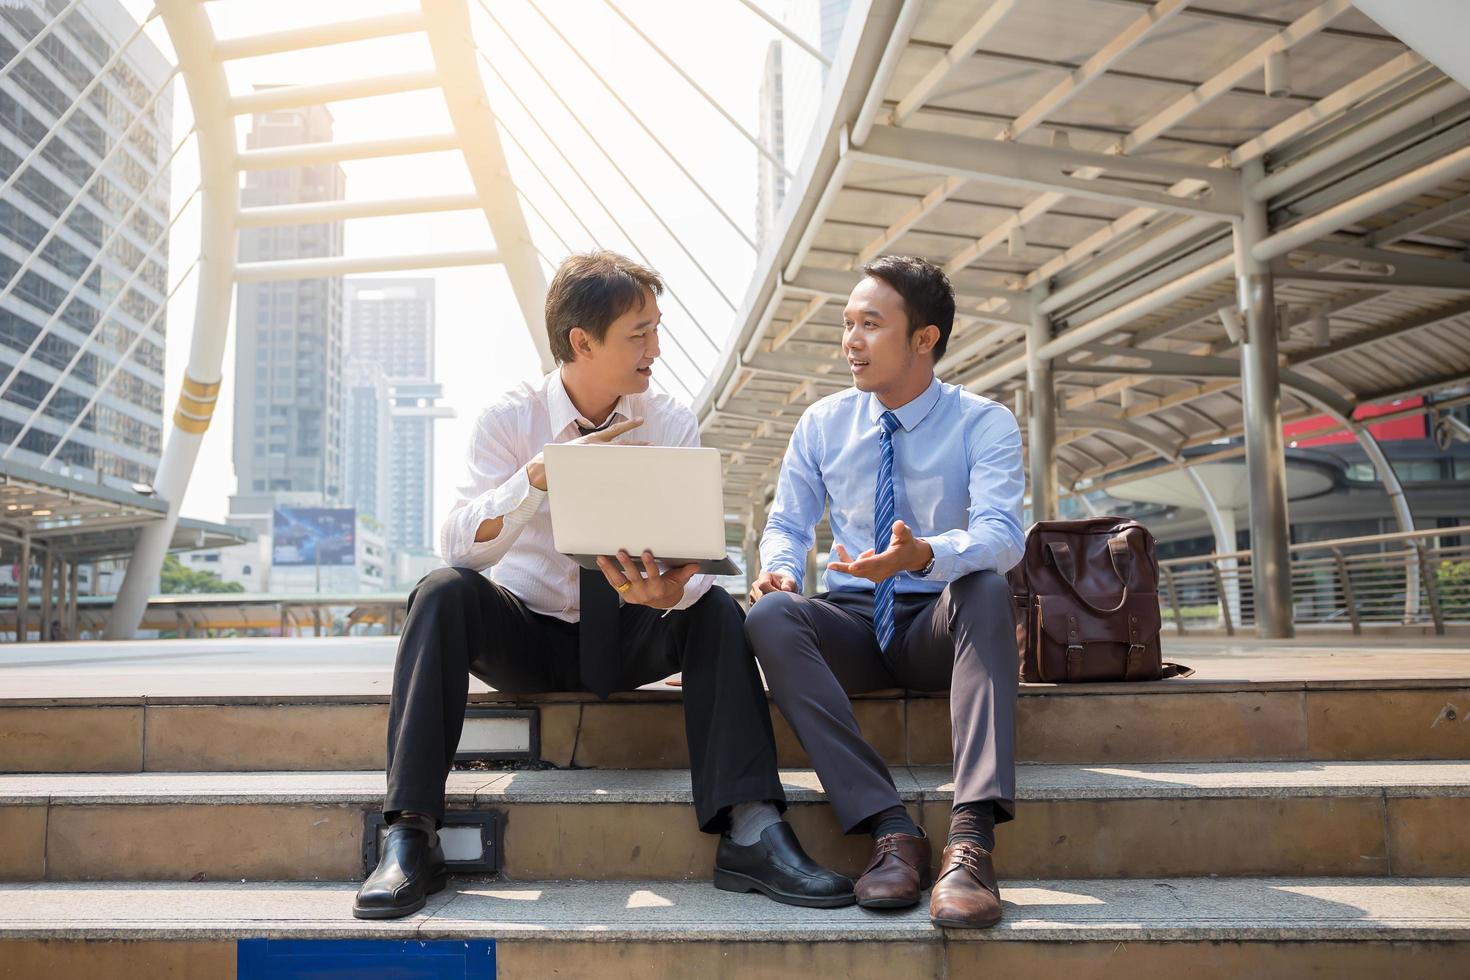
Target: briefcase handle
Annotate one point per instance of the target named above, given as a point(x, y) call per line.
point(1060, 554)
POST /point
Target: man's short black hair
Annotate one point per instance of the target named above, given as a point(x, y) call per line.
point(927, 295)
point(591, 291)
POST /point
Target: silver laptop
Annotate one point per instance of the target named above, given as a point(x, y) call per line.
point(663, 499)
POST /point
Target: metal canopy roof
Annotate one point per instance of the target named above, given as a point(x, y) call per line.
point(83, 521)
point(1088, 156)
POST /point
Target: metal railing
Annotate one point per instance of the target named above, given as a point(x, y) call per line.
point(1416, 579)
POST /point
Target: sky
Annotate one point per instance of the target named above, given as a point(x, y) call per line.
point(534, 82)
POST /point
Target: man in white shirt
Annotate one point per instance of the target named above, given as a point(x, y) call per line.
point(541, 623)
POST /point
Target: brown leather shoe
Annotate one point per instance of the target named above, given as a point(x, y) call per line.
point(897, 873)
point(965, 893)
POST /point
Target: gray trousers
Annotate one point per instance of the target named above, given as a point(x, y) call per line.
point(816, 651)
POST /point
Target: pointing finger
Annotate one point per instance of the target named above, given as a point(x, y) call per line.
point(613, 431)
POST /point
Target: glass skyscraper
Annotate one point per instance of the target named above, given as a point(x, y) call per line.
point(83, 241)
point(391, 340)
point(289, 354)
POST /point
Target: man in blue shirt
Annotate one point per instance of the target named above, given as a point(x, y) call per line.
point(923, 483)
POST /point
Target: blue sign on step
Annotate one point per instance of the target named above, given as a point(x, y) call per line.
point(354, 959)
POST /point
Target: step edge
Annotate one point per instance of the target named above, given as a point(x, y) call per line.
point(296, 798)
point(1183, 687)
point(1456, 931)
point(438, 920)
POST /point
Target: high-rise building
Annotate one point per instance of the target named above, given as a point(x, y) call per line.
point(411, 493)
point(391, 323)
point(369, 440)
point(83, 242)
point(289, 339)
point(391, 327)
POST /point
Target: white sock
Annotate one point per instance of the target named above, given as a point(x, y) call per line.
point(748, 820)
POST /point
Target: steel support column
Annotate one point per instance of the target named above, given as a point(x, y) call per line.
point(1222, 525)
point(1399, 503)
point(753, 542)
point(209, 93)
point(1041, 414)
point(73, 618)
point(23, 589)
point(63, 597)
point(48, 577)
point(1265, 451)
point(750, 545)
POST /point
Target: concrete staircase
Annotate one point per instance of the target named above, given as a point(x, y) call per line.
point(1223, 825)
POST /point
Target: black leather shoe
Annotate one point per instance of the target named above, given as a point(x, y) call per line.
point(777, 867)
point(408, 872)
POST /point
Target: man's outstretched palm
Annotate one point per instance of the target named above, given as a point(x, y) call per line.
point(905, 553)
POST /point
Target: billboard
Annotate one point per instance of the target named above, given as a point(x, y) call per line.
point(313, 536)
point(1408, 427)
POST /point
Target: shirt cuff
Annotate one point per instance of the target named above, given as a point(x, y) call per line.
point(944, 555)
point(694, 590)
point(799, 574)
point(515, 500)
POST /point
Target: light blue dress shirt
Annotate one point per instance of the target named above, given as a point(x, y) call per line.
point(958, 485)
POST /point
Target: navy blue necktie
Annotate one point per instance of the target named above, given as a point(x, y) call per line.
point(883, 528)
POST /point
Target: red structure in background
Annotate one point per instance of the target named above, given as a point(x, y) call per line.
point(1409, 427)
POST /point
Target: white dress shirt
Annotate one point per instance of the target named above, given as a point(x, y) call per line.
point(508, 435)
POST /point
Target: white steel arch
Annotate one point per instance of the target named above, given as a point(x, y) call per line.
point(209, 92)
point(201, 58)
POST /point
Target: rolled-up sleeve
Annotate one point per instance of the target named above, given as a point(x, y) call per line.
point(496, 485)
point(800, 497)
point(993, 538)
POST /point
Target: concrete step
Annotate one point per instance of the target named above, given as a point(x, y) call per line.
point(1333, 818)
point(1180, 720)
point(1206, 929)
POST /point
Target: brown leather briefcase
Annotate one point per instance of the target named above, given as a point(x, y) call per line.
point(1087, 603)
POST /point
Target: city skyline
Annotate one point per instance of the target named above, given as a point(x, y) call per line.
point(484, 346)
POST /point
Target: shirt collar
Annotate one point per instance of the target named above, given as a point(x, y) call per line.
point(562, 413)
point(912, 413)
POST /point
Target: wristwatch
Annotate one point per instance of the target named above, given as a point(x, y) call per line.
point(924, 572)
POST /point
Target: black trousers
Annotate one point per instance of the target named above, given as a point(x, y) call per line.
point(460, 623)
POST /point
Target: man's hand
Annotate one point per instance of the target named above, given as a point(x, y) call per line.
point(646, 586)
point(771, 582)
point(905, 553)
point(536, 468)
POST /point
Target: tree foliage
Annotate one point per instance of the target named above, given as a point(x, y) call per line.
point(177, 578)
